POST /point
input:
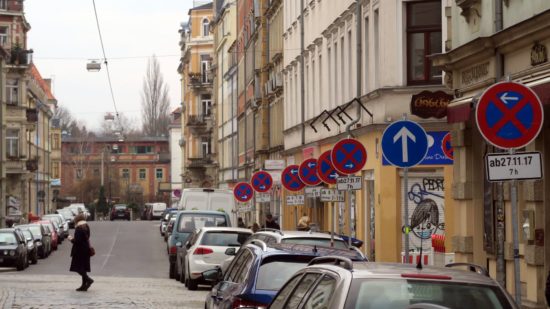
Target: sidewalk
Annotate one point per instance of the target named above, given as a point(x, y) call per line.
point(18, 290)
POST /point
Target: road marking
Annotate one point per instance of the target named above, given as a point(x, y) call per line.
point(111, 249)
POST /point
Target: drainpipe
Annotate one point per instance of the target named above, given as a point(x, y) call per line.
point(359, 53)
point(302, 90)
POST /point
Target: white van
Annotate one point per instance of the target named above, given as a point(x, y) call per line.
point(156, 209)
point(208, 199)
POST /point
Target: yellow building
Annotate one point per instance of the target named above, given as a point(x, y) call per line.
point(198, 110)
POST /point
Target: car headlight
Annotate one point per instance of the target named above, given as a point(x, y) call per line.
point(5, 252)
point(39, 243)
point(12, 252)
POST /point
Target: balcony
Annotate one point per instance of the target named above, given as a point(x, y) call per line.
point(32, 165)
point(199, 161)
point(199, 123)
point(200, 80)
point(19, 57)
point(32, 115)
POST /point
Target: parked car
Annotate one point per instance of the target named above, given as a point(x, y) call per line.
point(164, 219)
point(41, 237)
point(272, 236)
point(259, 271)
point(120, 211)
point(208, 199)
point(68, 216)
point(170, 225)
point(13, 248)
point(63, 224)
point(79, 208)
point(187, 222)
point(206, 250)
point(32, 248)
point(50, 229)
point(157, 210)
point(336, 282)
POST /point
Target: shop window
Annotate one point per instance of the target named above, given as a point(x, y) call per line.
point(423, 39)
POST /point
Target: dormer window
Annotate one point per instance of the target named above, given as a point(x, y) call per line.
point(205, 27)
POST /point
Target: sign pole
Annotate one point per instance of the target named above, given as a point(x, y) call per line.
point(406, 212)
point(514, 198)
point(333, 224)
point(350, 192)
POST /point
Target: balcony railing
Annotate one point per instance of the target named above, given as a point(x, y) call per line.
point(197, 120)
point(32, 115)
point(197, 80)
point(19, 56)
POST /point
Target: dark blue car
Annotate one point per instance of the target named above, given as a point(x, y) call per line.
point(257, 272)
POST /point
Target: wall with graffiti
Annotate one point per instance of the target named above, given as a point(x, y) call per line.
point(426, 205)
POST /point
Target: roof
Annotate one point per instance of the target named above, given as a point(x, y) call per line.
point(294, 234)
point(201, 7)
point(114, 139)
point(226, 229)
point(209, 212)
point(41, 82)
point(299, 249)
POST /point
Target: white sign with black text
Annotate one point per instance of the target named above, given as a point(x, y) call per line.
point(331, 195)
point(349, 183)
point(313, 191)
point(263, 197)
point(294, 200)
point(518, 166)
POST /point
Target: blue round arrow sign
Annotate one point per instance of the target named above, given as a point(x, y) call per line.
point(243, 192)
point(261, 181)
point(308, 172)
point(404, 143)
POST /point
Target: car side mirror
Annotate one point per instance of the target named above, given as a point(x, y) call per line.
point(231, 251)
point(212, 275)
point(187, 245)
point(179, 244)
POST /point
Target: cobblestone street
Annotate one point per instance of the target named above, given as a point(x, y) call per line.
point(19, 290)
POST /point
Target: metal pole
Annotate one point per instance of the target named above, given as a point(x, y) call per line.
point(102, 172)
point(514, 198)
point(406, 211)
point(333, 223)
point(302, 82)
point(350, 192)
point(501, 274)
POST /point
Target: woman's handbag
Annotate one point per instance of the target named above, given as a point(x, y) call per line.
point(92, 251)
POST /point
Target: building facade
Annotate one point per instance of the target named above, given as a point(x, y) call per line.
point(492, 42)
point(198, 109)
point(174, 131)
point(131, 169)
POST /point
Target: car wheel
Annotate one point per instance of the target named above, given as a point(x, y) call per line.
point(182, 275)
point(35, 258)
point(20, 264)
point(172, 271)
point(192, 284)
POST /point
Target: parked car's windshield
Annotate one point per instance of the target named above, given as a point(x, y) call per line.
point(398, 293)
point(190, 222)
point(325, 242)
point(27, 234)
point(35, 229)
point(224, 239)
point(7, 239)
point(274, 272)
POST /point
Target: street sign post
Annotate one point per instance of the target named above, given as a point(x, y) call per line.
point(295, 200)
point(325, 170)
point(331, 195)
point(313, 191)
point(349, 183)
point(243, 192)
point(261, 181)
point(509, 115)
point(348, 156)
point(308, 172)
point(518, 166)
point(405, 144)
point(290, 179)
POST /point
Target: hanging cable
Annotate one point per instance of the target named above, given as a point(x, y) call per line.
point(106, 65)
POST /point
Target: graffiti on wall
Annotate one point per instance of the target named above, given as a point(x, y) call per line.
point(426, 203)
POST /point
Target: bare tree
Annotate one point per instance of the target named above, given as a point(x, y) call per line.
point(123, 124)
point(68, 123)
point(154, 101)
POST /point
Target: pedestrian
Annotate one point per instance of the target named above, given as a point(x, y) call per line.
point(9, 222)
point(303, 223)
point(80, 251)
point(270, 223)
point(547, 289)
point(240, 222)
point(255, 227)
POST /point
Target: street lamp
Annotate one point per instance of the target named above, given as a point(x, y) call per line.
point(93, 66)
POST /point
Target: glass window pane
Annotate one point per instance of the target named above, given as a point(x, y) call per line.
point(425, 14)
point(301, 290)
point(435, 48)
point(417, 56)
point(320, 297)
point(224, 239)
point(279, 302)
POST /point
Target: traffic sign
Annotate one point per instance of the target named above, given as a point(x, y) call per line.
point(348, 156)
point(447, 147)
point(325, 170)
point(331, 195)
point(404, 143)
point(519, 166)
point(290, 179)
point(263, 198)
point(509, 115)
point(243, 192)
point(349, 183)
point(308, 172)
point(313, 192)
point(295, 200)
point(261, 181)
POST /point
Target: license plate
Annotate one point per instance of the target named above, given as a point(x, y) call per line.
point(1, 260)
point(121, 215)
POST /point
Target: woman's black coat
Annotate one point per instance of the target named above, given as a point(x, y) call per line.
point(80, 252)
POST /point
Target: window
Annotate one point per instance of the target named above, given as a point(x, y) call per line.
point(205, 27)
point(206, 106)
point(142, 173)
point(56, 141)
point(423, 39)
point(301, 290)
point(126, 173)
point(3, 33)
point(279, 302)
point(206, 147)
point(55, 170)
point(141, 149)
point(96, 171)
point(12, 143)
point(12, 91)
point(205, 67)
point(79, 174)
point(3, 4)
point(321, 295)
point(159, 173)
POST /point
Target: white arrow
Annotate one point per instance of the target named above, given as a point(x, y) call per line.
point(293, 171)
point(349, 165)
point(311, 165)
point(504, 98)
point(403, 134)
point(333, 176)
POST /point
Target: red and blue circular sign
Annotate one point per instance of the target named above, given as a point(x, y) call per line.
point(243, 192)
point(325, 169)
point(509, 115)
point(447, 147)
point(261, 181)
point(308, 172)
point(290, 178)
point(348, 156)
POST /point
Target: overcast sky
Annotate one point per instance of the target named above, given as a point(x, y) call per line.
point(64, 37)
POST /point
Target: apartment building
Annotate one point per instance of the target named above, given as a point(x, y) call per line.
point(174, 132)
point(199, 145)
point(488, 42)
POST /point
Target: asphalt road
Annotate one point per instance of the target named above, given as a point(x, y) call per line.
point(123, 249)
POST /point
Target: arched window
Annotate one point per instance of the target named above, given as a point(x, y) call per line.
point(205, 27)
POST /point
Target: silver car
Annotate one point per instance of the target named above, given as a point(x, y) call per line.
point(337, 282)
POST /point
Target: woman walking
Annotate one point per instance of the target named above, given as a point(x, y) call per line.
point(80, 251)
